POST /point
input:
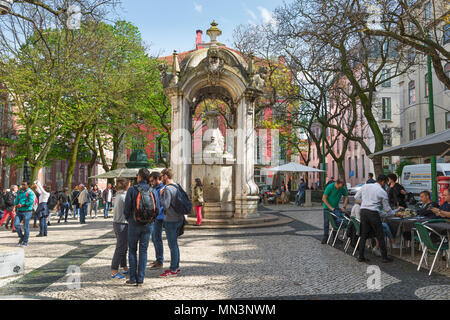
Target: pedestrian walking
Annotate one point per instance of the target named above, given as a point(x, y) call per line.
point(157, 225)
point(107, 197)
point(372, 197)
point(35, 205)
point(301, 192)
point(197, 199)
point(120, 226)
point(64, 204)
point(75, 202)
point(94, 197)
point(9, 210)
point(24, 208)
point(173, 220)
point(141, 208)
point(42, 210)
point(331, 198)
point(84, 199)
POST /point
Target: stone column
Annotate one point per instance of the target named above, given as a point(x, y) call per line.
point(181, 144)
point(246, 198)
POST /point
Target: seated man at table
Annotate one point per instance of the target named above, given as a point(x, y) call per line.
point(424, 209)
point(444, 210)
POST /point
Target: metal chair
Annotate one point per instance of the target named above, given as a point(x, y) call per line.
point(334, 227)
point(429, 246)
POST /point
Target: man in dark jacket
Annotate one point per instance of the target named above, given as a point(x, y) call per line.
point(9, 211)
point(425, 207)
point(138, 233)
point(157, 226)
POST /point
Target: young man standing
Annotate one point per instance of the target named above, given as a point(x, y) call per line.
point(84, 203)
point(173, 221)
point(138, 233)
point(9, 207)
point(331, 198)
point(107, 199)
point(372, 197)
point(24, 208)
point(157, 226)
point(371, 180)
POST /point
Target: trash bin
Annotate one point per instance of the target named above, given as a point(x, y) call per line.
point(443, 184)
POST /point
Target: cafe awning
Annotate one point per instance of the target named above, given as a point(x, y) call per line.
point(437, 144)
point(123, 173)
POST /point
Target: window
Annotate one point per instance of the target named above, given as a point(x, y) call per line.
point(386, 108)
point(356, 167)
point(446, 33)
point(387, 136)
point(412, 131)
point(2, 114)
point(426, 85)
point(350, 166)
point(412, 92)
point(428, 126)
point(411, 55)
point(447, 116)
point(386, 74)
point(428, 10)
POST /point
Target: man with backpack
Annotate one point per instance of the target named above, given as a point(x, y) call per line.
point(176, 204)
point(24, 209)
point(9, 211)
point(141, 209)
point(157, 226)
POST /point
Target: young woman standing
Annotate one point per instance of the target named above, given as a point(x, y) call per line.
point(198, 200)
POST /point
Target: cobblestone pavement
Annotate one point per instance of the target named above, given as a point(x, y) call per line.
point(282, 262)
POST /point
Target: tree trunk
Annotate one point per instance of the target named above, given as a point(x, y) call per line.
point(341, 170)
point(378, 165)
point(34, 171)
point(91, 166)
point(73, 159)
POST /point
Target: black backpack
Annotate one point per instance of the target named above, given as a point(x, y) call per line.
point(181, 204)
point(52, 202)
point(146, 206)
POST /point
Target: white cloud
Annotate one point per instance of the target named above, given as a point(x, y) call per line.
point(267, 16)
point(198, 7)
point(252, 14)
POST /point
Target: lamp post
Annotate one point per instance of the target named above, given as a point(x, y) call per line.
point(432, 128)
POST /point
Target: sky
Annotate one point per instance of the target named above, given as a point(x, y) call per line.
point(171, 24)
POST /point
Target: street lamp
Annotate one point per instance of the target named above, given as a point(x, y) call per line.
point(5, 6)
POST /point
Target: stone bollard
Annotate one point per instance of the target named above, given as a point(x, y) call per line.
point(11, 261)
point(308, 202)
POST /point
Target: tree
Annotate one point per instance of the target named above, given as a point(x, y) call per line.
point(419, 25)
point(325, 28)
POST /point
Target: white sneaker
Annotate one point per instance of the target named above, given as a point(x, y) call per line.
point(376, 251)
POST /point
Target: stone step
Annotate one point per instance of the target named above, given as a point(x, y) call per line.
point(11, 261)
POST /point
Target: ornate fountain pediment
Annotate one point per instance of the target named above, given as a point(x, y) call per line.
point(215, 65)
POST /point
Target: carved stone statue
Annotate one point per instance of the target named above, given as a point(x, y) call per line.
point(214, 65)
point(215, 147)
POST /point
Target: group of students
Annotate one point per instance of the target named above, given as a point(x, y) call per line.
point(376, 199)
point(132, 233)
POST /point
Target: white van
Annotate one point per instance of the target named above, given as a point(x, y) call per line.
point(417, 178)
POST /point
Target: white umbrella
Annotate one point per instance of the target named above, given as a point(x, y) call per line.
point(123, 173)
point(293, 167)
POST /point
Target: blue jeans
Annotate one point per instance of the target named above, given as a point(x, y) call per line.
point(107, 207)
point(64, 211)
point(326, 223)
point(76, 210)
point(138, 234)
point(300, 198)
point(43, 226)
point(83, 212)
point(387, 230)
point(172, 238)
point(157, 228)
point(26, 217)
